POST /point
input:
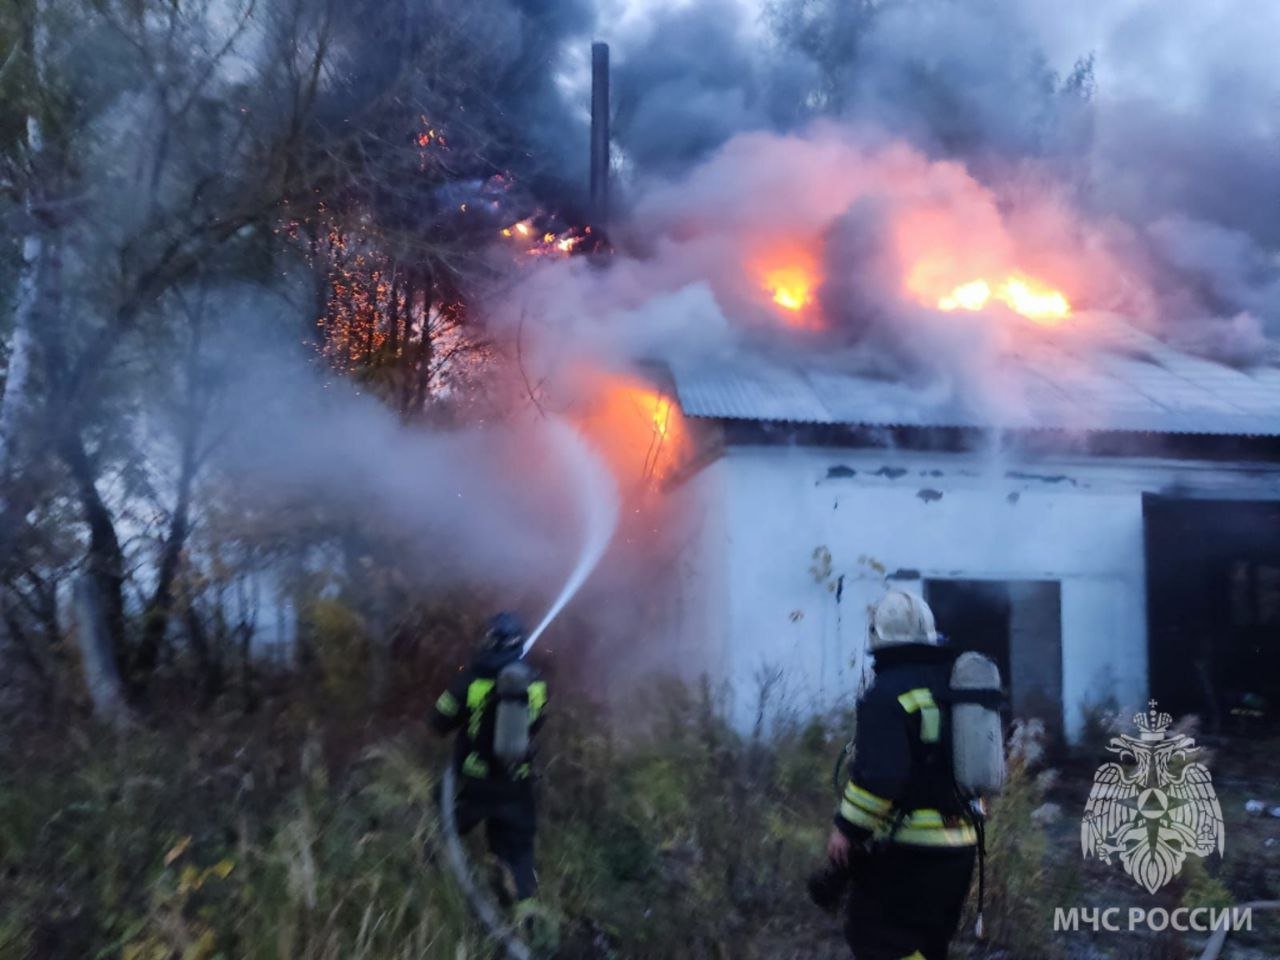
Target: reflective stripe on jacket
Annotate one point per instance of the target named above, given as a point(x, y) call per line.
point(468, 706)
point(901, 788)
point(924, 827)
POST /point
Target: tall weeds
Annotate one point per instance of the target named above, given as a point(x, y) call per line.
point(278, 842)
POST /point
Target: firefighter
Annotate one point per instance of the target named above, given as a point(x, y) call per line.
point(904, 840)
point(493, 762)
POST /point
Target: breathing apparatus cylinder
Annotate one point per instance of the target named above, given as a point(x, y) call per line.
point(511, 716)
point(977, 738)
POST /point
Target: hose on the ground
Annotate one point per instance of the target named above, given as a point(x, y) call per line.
point(455, 857)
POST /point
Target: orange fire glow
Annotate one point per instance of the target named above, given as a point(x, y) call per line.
point(792, 287)
point(1027, 297)
point(639, 429)
point(790, 276)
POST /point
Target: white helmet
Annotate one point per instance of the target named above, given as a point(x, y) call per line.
point(901, 617)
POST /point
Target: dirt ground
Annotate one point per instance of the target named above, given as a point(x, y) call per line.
point(1244, 768)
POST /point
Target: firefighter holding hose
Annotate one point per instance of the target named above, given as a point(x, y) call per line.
point(905, 830)
point(497, 705)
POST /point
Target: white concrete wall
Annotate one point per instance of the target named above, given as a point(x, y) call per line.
point(1079, 523)
point(672, 621)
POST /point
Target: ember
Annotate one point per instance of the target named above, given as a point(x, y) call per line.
point(546, 242)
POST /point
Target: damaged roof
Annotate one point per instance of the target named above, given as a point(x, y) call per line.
point(1137, 384)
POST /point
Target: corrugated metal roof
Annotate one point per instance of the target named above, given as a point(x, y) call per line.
point(1140, 384)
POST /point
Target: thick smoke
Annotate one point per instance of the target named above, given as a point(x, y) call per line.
point(499, 504)
point(965, 79)
point(1157, 127)
point(1157, 123)
point(885, 150)
point(881, 152)
point(873, 232)
point(690, 77)
point(1185, 147)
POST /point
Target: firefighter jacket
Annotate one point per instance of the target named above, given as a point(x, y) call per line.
point(901, 786)
point(469, 706)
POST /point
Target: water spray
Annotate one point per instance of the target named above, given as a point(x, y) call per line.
point(598, 495)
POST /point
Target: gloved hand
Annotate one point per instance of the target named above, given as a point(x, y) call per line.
point(826, 887)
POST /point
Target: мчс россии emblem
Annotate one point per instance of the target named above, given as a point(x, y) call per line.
point(1155, 809)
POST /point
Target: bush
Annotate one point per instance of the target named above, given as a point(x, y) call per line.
point(147, 850)
point(340, 643)
point(1020, 881)
point(270, 838)
point(687, 841)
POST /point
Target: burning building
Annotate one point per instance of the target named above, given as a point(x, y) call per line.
point(883, 368)
point(1121, 539)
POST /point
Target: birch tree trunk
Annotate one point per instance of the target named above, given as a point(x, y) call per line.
point(14, 401)
point(97, 658)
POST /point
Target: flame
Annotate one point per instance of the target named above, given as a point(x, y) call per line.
point(968, 296)
point(791, 287)
point(639, 429)
point(1029, 298)
point(1035, 302)
point(660, 413)
point(545, 243)
point(789, 275)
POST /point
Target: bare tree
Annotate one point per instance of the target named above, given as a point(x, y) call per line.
point(190, 146)
point(180, 163)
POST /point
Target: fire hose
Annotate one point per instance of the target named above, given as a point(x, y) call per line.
point(600, 496)
point(455, 858)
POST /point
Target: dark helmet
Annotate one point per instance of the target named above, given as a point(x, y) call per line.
point(504, 631)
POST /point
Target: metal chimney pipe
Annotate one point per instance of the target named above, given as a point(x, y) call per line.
point(599, 134)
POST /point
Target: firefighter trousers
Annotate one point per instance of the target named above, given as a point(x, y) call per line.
point(509, 815)
point(905, 902)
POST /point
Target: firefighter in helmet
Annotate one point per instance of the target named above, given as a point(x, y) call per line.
point(496, 706)
point(904, 839)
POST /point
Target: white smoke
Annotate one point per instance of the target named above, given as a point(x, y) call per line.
point(488, 504)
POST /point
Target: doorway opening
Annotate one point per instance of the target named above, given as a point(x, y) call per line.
point(1213, 608)
point(1018, 624)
